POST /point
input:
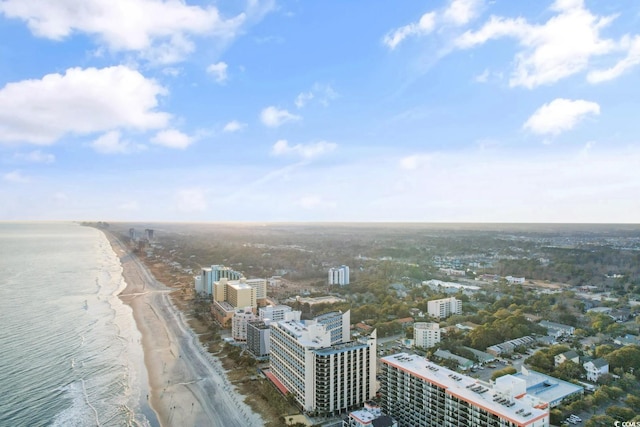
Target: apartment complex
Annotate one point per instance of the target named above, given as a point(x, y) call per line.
point(418, 393)
point(325, 377)
point(339, 275)
point(426, 334)
point(445, 307)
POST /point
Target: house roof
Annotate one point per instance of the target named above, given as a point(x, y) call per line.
point(599, 363)
point(571, 354)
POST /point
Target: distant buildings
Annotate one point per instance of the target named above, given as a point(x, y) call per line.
point(508, 347)
point(209, 275)
point(515, 280)
point(557, 330)
point(442, 308)
point(339, 275)
point(426, 335)
point(274, 313)
point(418, 393)
point(452, 271)
point(315, 362)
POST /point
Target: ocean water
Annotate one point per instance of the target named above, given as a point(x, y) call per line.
point(70, 353)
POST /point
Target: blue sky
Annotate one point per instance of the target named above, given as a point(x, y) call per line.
point(447, 111)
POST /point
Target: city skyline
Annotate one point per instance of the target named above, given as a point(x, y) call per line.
point(446, 111)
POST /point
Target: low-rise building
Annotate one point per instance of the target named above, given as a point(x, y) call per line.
point(507, 347)
point(549, 390)
point(570, 355)
point(557, 330)
point(370, 416)
point(596, 368)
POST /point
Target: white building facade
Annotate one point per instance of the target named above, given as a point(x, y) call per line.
point(339, 275)
point(426, 334)
point(324, 378)
point(445, 307)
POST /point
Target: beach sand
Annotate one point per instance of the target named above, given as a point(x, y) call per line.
point(187, 386)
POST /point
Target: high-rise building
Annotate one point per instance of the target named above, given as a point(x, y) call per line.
point(210, 275)
point(445, 307)
point(274, 313)
point(239, 321)
point(425, 334)
point(229, 295)
point(324, 378)
point(418, 393)
point(258, 337)
point(338, 324)
point(339, 275)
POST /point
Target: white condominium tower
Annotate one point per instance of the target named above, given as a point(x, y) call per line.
point(441, 308)
point(324, 378)
point(426, 335)
point(339, 275)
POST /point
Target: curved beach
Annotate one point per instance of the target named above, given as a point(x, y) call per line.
point(188, 386)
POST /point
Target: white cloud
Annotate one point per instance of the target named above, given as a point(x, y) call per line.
point(483, 77)
point(303, 98)
point(172, 138)
point(559, 48)
point(461, 12)
point(160, 29)
point(112, 143)
point(274, 117)
point(191, 200)
point(560, 115)
point(630, 61)
point(15, 176)
point(323, 93)
point(306, 151)
point(36, 156)
point(415, 161)
point(80, 101)
point(425, 25)
point(219, 71)
point(234, 126)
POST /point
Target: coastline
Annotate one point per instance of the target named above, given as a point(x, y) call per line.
point(187, 386)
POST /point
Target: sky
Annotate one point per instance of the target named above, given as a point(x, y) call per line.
point(290, 110)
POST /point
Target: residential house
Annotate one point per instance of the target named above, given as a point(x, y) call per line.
point(595, 368)
point(566, 356)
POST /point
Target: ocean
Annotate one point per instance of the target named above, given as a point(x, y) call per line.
point(70, 352)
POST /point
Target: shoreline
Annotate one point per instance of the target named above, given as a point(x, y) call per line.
point(187, 385)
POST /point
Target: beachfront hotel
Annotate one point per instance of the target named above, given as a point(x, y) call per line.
point(419, 393)
point(325, 377)
point(230, 295)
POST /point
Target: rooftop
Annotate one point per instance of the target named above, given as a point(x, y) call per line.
point(469, 389)
point(545, 387)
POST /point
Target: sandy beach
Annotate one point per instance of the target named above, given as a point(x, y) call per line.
point(188, 386)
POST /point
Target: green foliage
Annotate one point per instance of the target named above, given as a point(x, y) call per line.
point(504, 371)
point(619, 413)
point(633, 401)
point(627, 358)
point(600, 421)
point(569, 370)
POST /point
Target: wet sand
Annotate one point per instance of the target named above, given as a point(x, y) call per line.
point(188, 386)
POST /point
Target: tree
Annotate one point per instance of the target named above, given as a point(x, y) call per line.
point(600, 421)
point(504, 371)
point(569, 370)
point(633, 402)
point(619, 413)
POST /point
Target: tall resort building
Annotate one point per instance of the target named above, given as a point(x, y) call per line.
point(418, 393)
point(325, 377)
